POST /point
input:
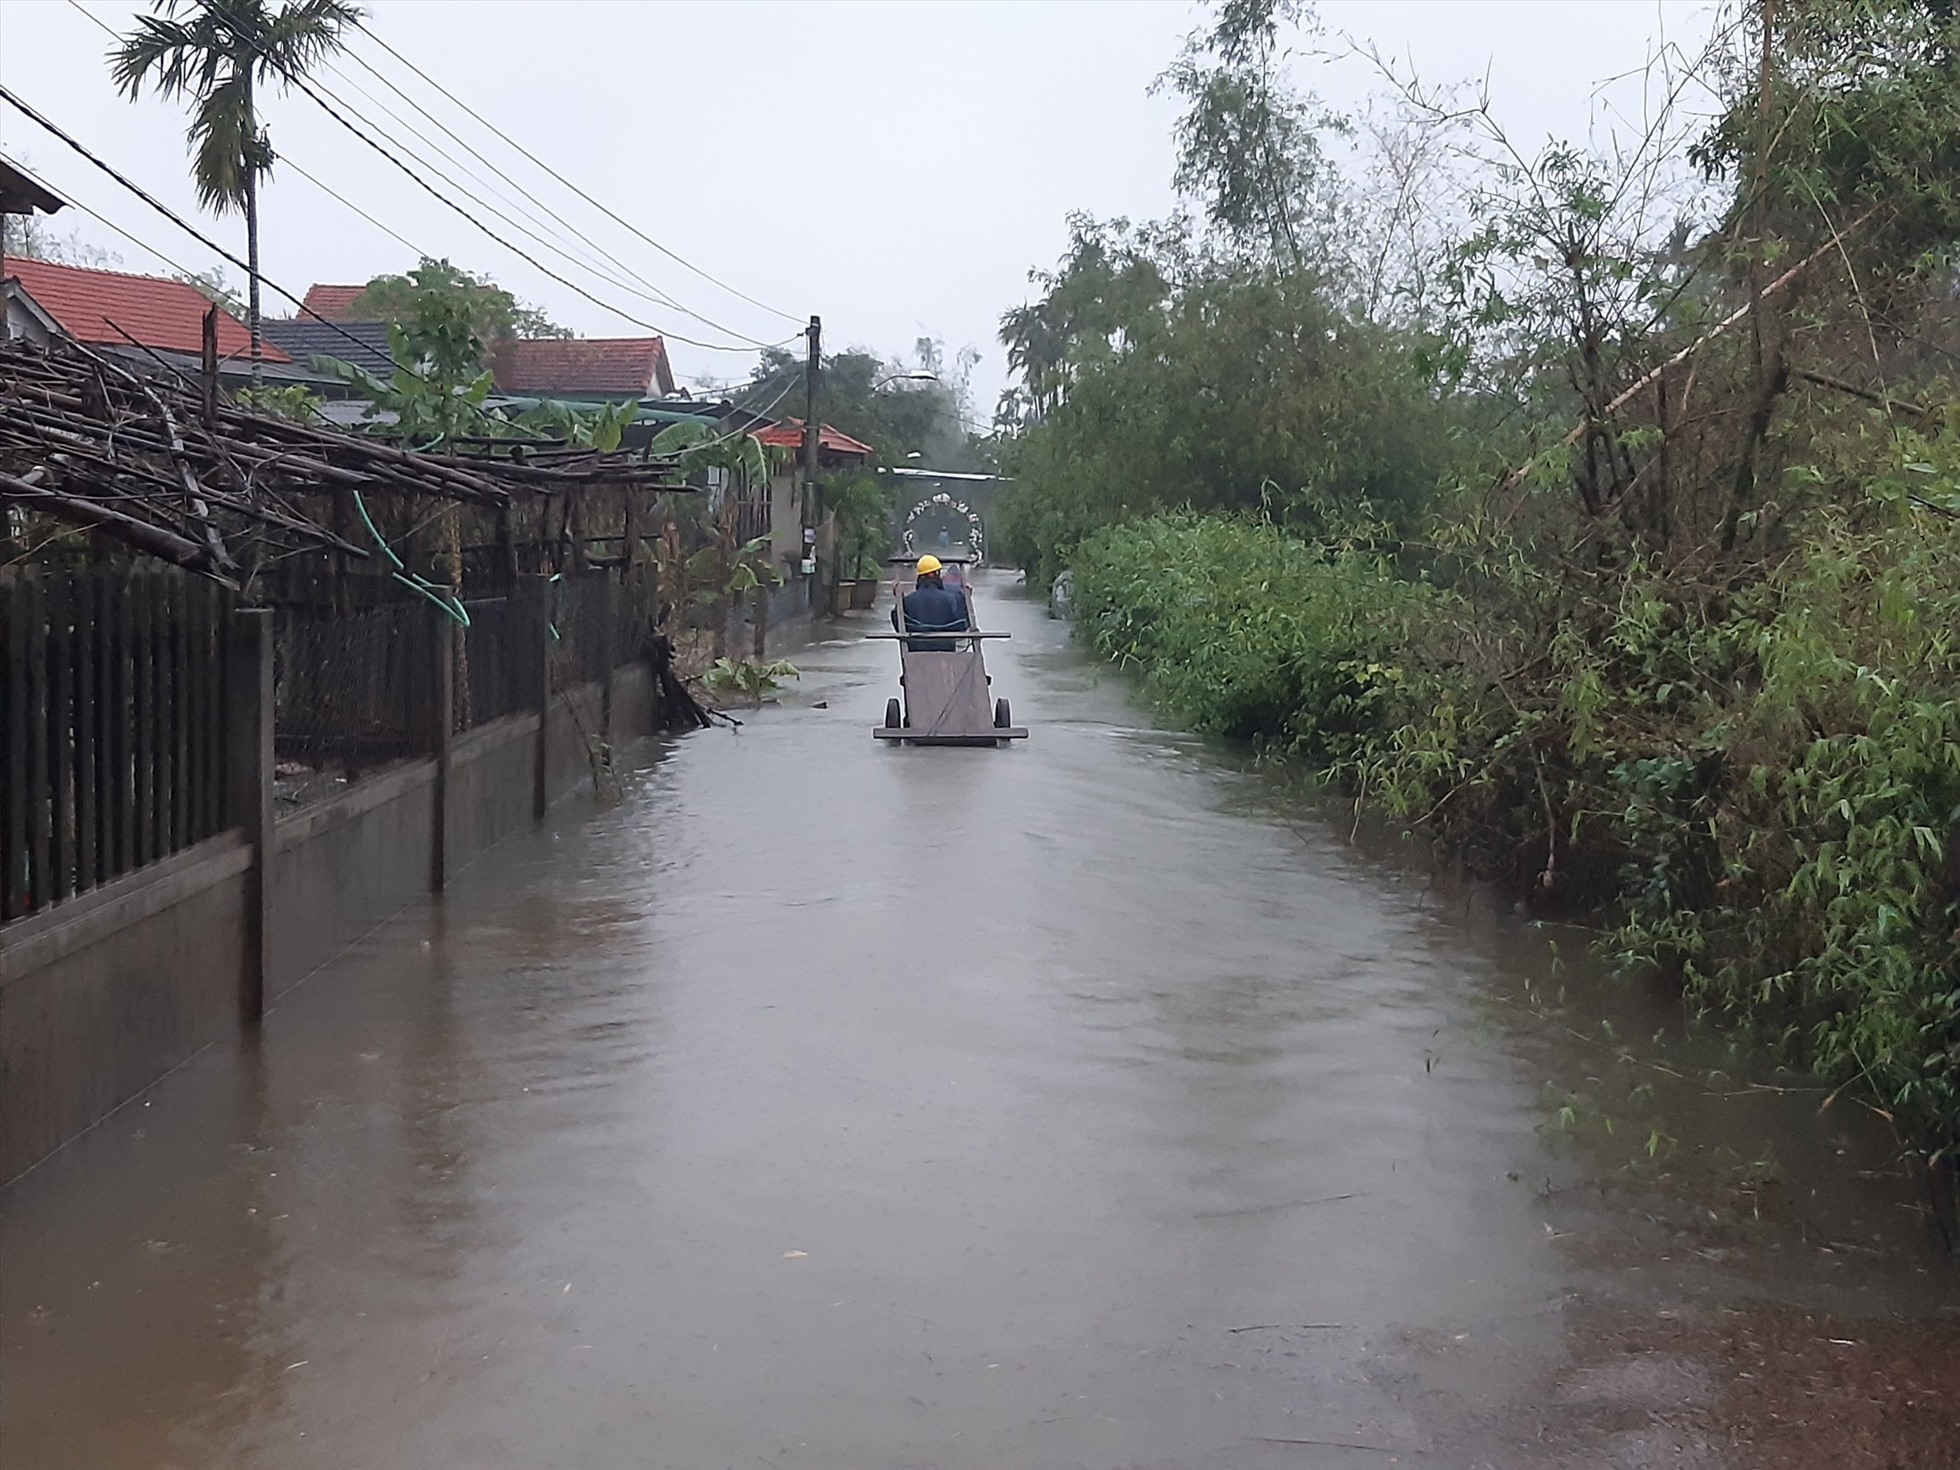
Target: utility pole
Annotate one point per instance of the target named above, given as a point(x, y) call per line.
point(811, 368)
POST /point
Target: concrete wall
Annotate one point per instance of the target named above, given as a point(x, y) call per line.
point(490, 786)
point(104, 994)
point(344, 865)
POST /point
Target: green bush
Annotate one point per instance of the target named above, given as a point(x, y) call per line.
point(1244, 631)
point(1756, 787)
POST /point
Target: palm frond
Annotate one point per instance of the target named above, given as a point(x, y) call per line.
point(303, 32)
point(211, 51)
point(156, 45)
point(225, 144)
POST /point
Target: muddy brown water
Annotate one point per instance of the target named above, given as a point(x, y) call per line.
point(1092, 1103)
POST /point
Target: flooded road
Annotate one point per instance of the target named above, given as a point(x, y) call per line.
point(1089, 1103)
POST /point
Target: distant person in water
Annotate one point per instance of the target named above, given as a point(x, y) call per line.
point(932, 607)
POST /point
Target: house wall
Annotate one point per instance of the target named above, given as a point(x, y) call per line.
point(786, 520)
point(24, 322)
point(104, 994)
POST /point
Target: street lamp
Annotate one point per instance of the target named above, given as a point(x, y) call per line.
point(916, 377)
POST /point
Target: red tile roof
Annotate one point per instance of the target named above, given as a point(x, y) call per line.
point(167, 315)
point(330, 303)
point(788, 434)
point(585, 365)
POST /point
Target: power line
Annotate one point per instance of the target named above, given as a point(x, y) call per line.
point(540, 163)
point(658, 297)
point(440, 197)
point(338, 197)
point(210, 244)
point(6, 95)
point(34, 116)
point(138, 241)
point(517, 250)
point(570, 241)
point(592, 246)
point(621, 277)
point(761, 413)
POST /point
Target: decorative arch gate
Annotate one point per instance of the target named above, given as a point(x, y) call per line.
point(943, 512)
point(956, 524)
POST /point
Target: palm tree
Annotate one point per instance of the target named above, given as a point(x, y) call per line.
point(216, 53)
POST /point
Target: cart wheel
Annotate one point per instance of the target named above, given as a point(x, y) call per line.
point(893, 717)
point(1003, 717)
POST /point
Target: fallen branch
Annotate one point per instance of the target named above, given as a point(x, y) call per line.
point(1649, 378)
point(1890, 405)
point(141, 534)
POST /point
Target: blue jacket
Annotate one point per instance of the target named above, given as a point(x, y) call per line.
point(934, 609)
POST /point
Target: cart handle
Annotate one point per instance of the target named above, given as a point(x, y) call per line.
point(934, 633)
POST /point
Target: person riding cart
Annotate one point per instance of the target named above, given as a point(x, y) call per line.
point(943, 681)
point(931, 607)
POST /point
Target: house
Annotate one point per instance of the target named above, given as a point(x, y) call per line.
point(364, 344)
point(573, 369)
point(329, 303)
point(143, 321)
point(584, 369)
point(24, 195)
point(835, 450)
point(116, 309)
point(303, 338)
point(24, 316)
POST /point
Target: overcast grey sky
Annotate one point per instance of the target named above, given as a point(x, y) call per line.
point(897, 168)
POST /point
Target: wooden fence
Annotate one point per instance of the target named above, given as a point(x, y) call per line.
point(112, 730)
point(114, 712)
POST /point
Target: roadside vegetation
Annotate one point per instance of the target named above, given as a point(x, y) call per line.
point(1594, 514)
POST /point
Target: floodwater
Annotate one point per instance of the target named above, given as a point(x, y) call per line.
point(1091, 1103)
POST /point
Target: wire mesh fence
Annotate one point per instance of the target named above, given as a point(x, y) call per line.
point(353, 690)
point(633, 612)
point(356, 685)
point(499, 661)
point(581, 629)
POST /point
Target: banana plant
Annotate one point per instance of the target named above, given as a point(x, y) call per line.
point(727, 570)
point(748, 676)
point(599, 426)
point(700, 446)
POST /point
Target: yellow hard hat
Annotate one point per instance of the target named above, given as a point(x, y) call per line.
point(928, 564)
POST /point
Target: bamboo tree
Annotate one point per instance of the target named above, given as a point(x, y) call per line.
point(216, 54)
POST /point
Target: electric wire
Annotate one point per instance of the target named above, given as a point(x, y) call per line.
point(510, 210)
point(709, 443)
point(29, 112)
point(578, 250)
point(548, 169)
point(314, 94)
point(26, 110)
point(342, 199)
point(571, 245)
point(595, 249)
point(396, 235)
point(182, 270)
point(82, 150)
point(517, 250)
point(33, 115)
